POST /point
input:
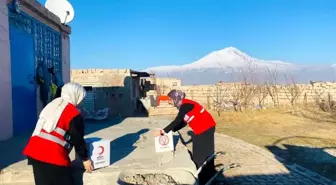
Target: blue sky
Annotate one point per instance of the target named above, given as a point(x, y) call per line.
point(141, 33)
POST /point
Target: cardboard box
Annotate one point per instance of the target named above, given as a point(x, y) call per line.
point(164, 143)
point(99, 152)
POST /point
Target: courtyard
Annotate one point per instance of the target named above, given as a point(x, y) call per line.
point(132, 147)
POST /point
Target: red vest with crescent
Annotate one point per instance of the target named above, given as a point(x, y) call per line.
point(198, 119)
point(52, 147)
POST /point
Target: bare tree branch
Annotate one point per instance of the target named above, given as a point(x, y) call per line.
point(292, 89)
point(272, 86)
point(248, 87)
point(218, 95)
point(262, 93)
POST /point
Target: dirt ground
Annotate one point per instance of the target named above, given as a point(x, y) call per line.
point(305, 137)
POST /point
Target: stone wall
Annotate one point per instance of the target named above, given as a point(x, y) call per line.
point(112, 88)
point(227, 93)
point(122, 97)
point(101, 77)
point(167, 82)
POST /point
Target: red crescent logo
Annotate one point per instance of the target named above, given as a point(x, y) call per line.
point(163, 140)
point(102, 150)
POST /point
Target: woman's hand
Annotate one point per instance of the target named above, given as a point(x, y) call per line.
point(157, 133)
point(88, 166)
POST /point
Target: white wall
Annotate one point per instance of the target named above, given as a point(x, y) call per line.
point(66, 58)
point(6, 123)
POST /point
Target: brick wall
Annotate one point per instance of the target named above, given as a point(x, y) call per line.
point(207, 95)
point(167, 82)
point(112, 88)
point(101, 77)
point(225, 93)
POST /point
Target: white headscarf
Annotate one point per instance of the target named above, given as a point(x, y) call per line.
point(71, 93)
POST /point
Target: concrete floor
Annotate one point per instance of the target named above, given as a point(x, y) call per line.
point(130, 150)
point(132, 147)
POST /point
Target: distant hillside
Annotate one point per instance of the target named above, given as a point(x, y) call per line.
point(228, 65)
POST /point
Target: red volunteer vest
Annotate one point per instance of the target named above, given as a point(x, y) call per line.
point(51, 147)
point(199, 119)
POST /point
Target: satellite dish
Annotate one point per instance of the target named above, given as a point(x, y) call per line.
point(62, 9)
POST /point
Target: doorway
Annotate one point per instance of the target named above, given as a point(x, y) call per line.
point(23, 83)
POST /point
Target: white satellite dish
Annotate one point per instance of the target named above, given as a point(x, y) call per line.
point(62, 9)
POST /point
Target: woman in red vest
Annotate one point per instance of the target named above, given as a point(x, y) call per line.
point(203, 126)
point(59, 128)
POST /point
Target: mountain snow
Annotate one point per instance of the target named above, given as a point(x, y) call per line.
point(227, 57)
point(217, 65)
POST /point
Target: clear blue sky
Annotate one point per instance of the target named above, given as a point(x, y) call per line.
point(141, 33)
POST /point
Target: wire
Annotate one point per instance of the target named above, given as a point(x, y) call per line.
point(6, 31)
point(67, 14)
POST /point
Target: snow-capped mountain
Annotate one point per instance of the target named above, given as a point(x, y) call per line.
point(226, 64)
point(228, 57)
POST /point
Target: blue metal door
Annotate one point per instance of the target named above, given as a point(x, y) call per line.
point(32, 43)
point(23, 84)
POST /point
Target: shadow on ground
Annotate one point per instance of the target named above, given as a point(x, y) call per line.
point(124, 145)
point(305, 166)
point(92, 126)
point(120, 148)
point(295, 176)
point(14, 147)
point(323, 116)
point(291, 178)
point(321, 160)
point(176, 139)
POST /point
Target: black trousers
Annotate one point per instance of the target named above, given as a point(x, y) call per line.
point(203, 147)
point(49, 174)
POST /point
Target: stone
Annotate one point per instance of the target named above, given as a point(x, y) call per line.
point(150, 179)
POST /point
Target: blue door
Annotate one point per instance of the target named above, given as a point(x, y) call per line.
point(23, 84)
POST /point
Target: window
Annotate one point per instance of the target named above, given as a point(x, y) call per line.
point(88, 88)
point(174, 83)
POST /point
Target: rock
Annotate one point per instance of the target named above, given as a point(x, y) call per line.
point(150, 179)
